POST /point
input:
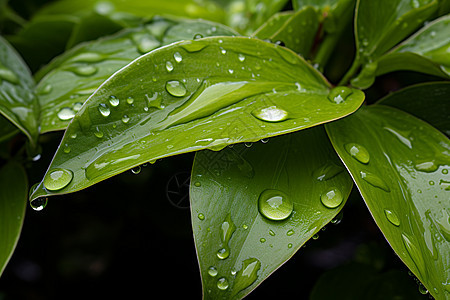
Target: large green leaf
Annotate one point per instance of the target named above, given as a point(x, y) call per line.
point(296, 30)
point(427, 101)
point(193, 95)
point(253, 208)
point(380, 25)
point(401, 167)
point(426, 51)
point(144, 8)
point(13, 200)
point(17, 100)
point(71, 78)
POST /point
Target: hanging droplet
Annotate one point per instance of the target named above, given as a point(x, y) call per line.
point(222, 283)
point(247, 274)
point(65, 114)
point(332, 198)
point(374, 180)
point(422, 289)
point(212, 271)
point(275, 205)
point(264, 141)
point(392, 217)
point(327, 171)
point(177, 56)
point(358, 152)
point(315, 237)
point(57, 179)
point(114, 101)
point(270, 114)
point(176, 88)
point(104, 109)
point(339, 94)
point(136, 170)
point(39, 204)
point(169, 66)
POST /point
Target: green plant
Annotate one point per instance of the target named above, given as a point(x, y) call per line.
point(129, 88)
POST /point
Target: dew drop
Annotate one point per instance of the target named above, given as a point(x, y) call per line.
point(201, 216)
point(66, 148)
point(422, 289)
point(247, 274)
point(198, 36)
point(339, 94)
point(125, 119)
point(212, 271)
point(374, 180)
point(136, 170)
point(222, 283)
point(177, 56)
point(104, 109)
point(65, 114)
point(264, 141)
point(197, 184)
point(275, 205)
point(241, 57)
point(77, 106)
point(85, 70)
point(270, 114)
point(262, 240)
point(169, 66)
point(114, 101)
point(358, 152)
point(98, 133)
point(223, 253)
point(290, 232)
point(315, 237)
point(428, 166)
point(57, 179)
point(392, 217)
point(444, 171)
point(130, 100)
point(271, 232)
point(290, 245)
point(176, 88)
point(332, 199)
point(39, 204)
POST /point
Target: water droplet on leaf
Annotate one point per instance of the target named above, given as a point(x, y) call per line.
point(358, 152)
point(177, 56)
point(374, 180)
point(275, 205)
point(339, 94)
point(247, 274)
point(114, 101)
point(392, 217)
point(104, 109)
point(169, 66)
point(222, 283)
point(270, 114)
point(57, 179)
point(65, 114)
point(39, 204)
point(332, 198)
point(212, 271)
point(176, 88)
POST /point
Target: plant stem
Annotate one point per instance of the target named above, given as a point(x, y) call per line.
point(352, 71)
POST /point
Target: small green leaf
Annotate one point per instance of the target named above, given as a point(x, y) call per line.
point(296, 30)
point(427, 101)
point(426, 51)
point(71, 78)
point(194, 95)
point(253, 207)
point(13, 200)
point(405, 184)
point(17, 100)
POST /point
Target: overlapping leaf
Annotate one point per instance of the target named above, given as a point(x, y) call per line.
point(240, 240)
point(71, 78)
point(401, 167)
point(427, 101)
point(13, 200)
point(426, 51)
point(17, 100)
point(296, 30)
point(189, 96)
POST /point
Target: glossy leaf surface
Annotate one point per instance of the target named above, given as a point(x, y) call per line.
point(71, 78)
point(427, 101)
point(13, 200)
point(296, 30)
point(17, 100)
point(194, 95)
point(401, 166)
point(239, 239)
point(426, 51)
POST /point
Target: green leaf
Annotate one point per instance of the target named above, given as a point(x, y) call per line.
point(71, 78)
point(427, 101)
point(425, 51)
point(142, 8)
point(7, 129)
point(400, 165)
point(359, 281)
point(13, 195)
point(247, 15)
point(17, 100)
point(280, 27)
point(236, 231)
point(194, 95)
